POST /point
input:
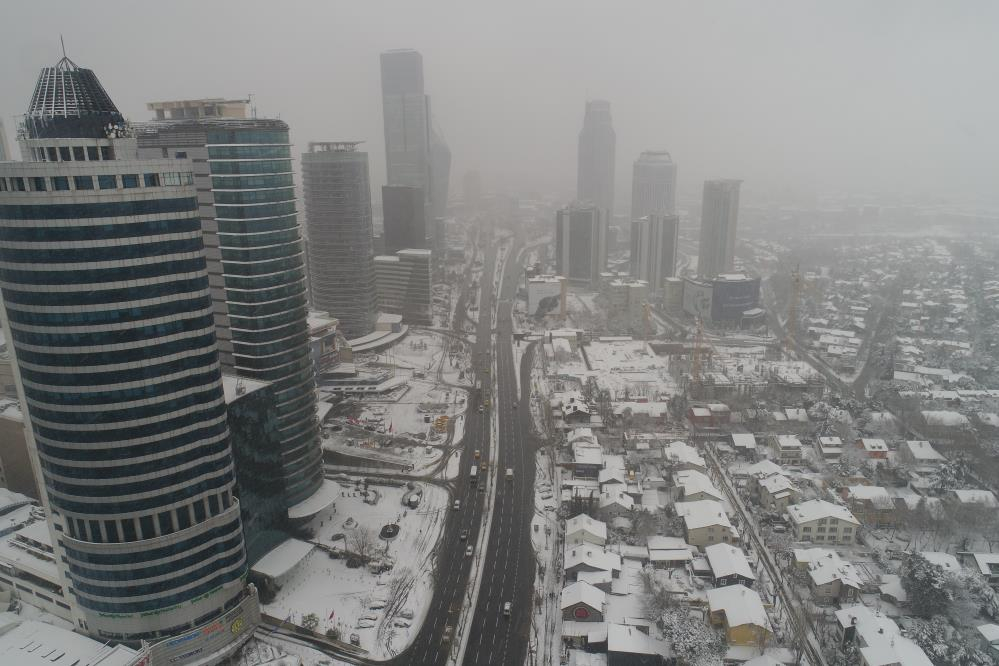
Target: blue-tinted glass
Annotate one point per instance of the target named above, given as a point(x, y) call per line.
point(83, 182)
point(109, 182)
point(60, 183)
point(151, 179)
point(129, 180)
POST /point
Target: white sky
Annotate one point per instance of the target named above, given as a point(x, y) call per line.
point(894, 98)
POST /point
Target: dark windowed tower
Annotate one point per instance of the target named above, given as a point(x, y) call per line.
point(719, 217)
point(338, 219)
point(595, 175)
point(581, 243)
point(109, 320)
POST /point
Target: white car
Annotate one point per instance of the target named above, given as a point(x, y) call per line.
point(506, 608)
point(468, 552)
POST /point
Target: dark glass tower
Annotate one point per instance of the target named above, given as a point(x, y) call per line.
point(595, 172)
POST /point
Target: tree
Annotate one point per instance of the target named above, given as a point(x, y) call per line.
point(927, 585)
point(944, 646)
point(310, 621)
point(361, 542)
point(693, 641)
point(333, 633)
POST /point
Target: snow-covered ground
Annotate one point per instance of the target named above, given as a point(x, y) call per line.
point(271, 649)
point(547, 539)
point(385, 610)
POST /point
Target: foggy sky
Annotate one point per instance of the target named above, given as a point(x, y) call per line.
point(895, 99)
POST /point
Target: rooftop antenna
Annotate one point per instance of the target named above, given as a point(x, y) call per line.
point(61, 41)
point(253, 107)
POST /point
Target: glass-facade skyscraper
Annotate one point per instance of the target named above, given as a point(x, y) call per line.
point(249, 214)
point(109, 320)
point(719, 219)
point(595, 167)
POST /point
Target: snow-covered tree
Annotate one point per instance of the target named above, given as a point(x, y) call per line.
point(693, 641)
point(944, 646)
point(927, 585)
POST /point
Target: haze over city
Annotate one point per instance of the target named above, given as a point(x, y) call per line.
point(801, 99)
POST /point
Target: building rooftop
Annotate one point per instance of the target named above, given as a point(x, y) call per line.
point(29, 642)
point(741, 605)
point(583, 593)
point(70, 102)
point(703, 513)
point(727, 560)
point(811, 510)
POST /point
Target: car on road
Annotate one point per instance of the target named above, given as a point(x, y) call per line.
point(468, 551)
point(481, 409)
point(464, 535)
point(448, 632)
point(482, 467)
point(478, 454)
point(509, 474)
point(507, 606)
point(457, 504)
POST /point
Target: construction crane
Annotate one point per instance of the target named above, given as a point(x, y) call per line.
point(791, 327)
point(650, 329)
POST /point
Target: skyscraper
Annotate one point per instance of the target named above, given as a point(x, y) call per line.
point(595, 173)
point(653, 185)
point(440, 173)
point(719, 217)
point(404, 216)
point(4, 147)
point(581, 243)
point(654, 240)
point(250, 224)
point(407, 121)
point(109, 320)
point(338, 220)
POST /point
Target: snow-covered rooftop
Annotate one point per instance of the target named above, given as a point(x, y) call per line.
point(944, 560)
point(583, 522)
point(622, 638)
point(582, 592)
point(727, 560)
point(744, 440)
point(825, 565)
point(811, 510)
point(694, 482)
point(740, 604)
point(922, 451)
point(29, 642)
point(282, 558)
point(763, 469)
point(974, 496)
point(873, 445)
point(702, 513)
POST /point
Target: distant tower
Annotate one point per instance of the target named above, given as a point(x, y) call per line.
point(719, 217)
point(581, 243)
point(4, 146)
point(404, 219)
point(595, 173)
point(109, 318)
point(654, 240)
point(653, 185)
point(406, 116)
point(338, 219)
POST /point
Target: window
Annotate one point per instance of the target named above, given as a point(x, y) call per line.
point(53, 154)
point(823, 521)
point(93, 154)
point(78, 154)
point(83, 182)
point(821, 528)
point(183, 517)
point(107, 152)
point(111, 529)
point(64, 154)
point(180, 155)
point(151, 179)
point(199, 511)
point(166, 523)
point(820, 537)
point(148, 531)
point(107, 182)
point(806, 529)
point(60, 183)
point(171, 178)
point(38, 184)
point(129, 180)
point(3, 184)
point(17, 184)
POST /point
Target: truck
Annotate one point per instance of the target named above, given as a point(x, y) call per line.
point(473, 477)
point(509, 474)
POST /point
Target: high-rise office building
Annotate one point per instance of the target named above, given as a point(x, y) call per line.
point(595, 172)
point(338, 221)
point(407, 119)
point(581, 243)
point(416, 153)
point(108, 317)
point(4, 146)
point(654, 240)
point(719, 217)
point(653, 185)
point(404, 219)
point(243, 172)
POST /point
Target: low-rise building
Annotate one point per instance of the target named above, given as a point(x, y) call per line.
point(668, 552)
point(729, 565)
point(579, 559)
point(740, 612)
point(694, 485)
point(615, 504)
point(28, 568)
point(830, 448)
point(872, 505)
point(985, 498)
point(681, 456)
point(583, 602)
point(873, 448)
point(786, 449)
point(705, 522)
point(830, 578)
point(878, 637)
point(403, 285)
point(920, 454)
point(25, 642)
point(583, 529)
point(777, 492)
point(823, 522)
point(744, 444)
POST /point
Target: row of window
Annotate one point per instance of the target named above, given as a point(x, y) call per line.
point(78, 211)
point(69, 337)
point(154, 484)
point(200, 357)
point(166, 461)
point(111, 274)
point(98, 232)
point(158, 447)
point(162, 602)
point(125, 181)
point(214, 484)
point(192, 557)
point(239, 136)
point(48, 254)
point(120, 315)
point(72, 153)
point(158, 289)
point(83, 530)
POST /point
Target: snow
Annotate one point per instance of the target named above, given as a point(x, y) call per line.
point(282, 559)
point(625, 639)
point(702, 513)
point(922, 451)
point(29, 642)
point(740, 604)
point(744, 440)
point(811, 510)
point(322, 585)
point(946, 561)
point(314, 503)
point(584, 523)
point(727, 560)
point(694, 483)
point(583, 593)
point(945, 418)
point(973, 496)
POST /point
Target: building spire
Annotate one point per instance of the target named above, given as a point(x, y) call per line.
point(63, 42)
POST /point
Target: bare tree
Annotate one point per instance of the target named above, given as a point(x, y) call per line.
point(362, 543)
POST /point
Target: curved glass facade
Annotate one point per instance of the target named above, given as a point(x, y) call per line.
point(263, 264)
point(110, 320)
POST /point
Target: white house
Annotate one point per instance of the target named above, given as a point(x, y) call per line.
point(694, 485)
point(683, 456)
point(583, 529)
point(705, 522)
point(823, 522)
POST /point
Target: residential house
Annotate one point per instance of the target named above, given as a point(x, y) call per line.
point(777, 492)
point(587, 460)
point(873, 448)
point(740, 612)
point(615, 504)
point(943, 424)
point(700, 417)
point(705, 522)
point(720, 413)
point(920, 455)
point(823, 522)
point(786, 449)
point(630, 646)
point(872, 505)
point(729, 565)
point(583, 602)
point(988, 566)
point(878, 637)
point(744, 444)
point(990, 640)
point(668, 552)
point(973, 496)
point(590, 558)
point(830, 448)
point(681, 456)
point(585, 530)
point(830, 578)
point(693, 485)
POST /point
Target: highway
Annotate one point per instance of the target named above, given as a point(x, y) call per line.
point(509, 567)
